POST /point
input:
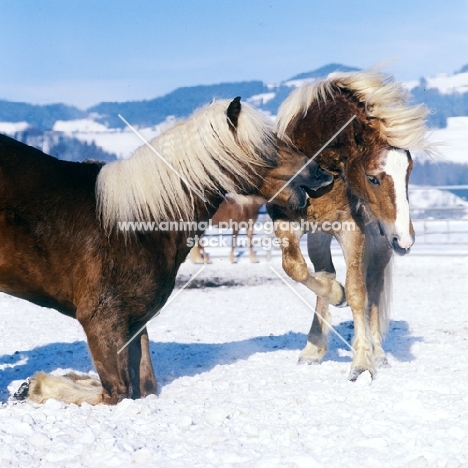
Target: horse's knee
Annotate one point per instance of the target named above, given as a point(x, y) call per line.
point(324, 285)
point(295, 268)
point(356, 298)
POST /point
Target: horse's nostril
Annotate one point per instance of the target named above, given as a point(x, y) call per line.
point(398, 248)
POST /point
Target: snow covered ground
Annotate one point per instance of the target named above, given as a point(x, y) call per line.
point(232, 395)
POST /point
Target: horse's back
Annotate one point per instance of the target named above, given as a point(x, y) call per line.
point(41, 200)
point(237, 210)
point(27, 171)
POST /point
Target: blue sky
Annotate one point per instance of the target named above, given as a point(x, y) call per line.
point(84, 52)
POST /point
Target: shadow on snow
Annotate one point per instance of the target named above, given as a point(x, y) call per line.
point(173, 360)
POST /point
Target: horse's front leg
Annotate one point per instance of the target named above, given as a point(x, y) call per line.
point(252, 256)
point(378, 282)
point(352, 244)
point(232, 253)
point(323, 284)
point(105, 340)
point(141, 368)
point(318, 246)
point(107, 333)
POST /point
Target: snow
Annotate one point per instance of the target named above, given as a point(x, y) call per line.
point(444, 82)
point(121, 142)
point(260, 99)
point(452, 141)
point(231, 392)
point(79, 125)
point(10, 128)
point(298, 83)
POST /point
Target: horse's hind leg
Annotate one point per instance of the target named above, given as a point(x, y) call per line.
point(318, 246)
point(198, 254)
point(232, 254)
point(141, 368)
point(250, 232)
point(195, 254)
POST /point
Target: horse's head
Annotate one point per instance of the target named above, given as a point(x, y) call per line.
point(363, 150)
point(382, 185)
point(288, 175)
point(293, 178)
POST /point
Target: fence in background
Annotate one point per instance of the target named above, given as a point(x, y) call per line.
point(441, 225)
point(439, 229)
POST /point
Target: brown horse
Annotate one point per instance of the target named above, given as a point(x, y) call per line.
point(234, 213)
point(93, 242)
point(366, 208)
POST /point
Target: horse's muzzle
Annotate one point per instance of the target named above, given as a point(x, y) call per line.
point(323, 177)
point(398, 249)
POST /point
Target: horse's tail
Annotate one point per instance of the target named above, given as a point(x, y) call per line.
point(70, 388)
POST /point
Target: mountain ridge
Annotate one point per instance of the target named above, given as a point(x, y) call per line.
point(98, 133)
point(181, 102)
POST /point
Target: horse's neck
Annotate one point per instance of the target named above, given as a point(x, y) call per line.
point(205, 210)
point(359, 209)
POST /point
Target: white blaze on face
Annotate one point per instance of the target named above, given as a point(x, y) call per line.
point(396, 167)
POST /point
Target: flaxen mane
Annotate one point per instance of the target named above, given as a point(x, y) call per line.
point(202, 152)
point(401, 125)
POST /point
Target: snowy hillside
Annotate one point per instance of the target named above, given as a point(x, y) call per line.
point(446, 95)
point(445, 83)
point(453, 140)
point(121, 142)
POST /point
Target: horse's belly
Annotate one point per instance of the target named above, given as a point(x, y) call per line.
point(26, 273)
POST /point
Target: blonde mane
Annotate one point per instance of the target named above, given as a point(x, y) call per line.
point(401, 125)
point(202, 150)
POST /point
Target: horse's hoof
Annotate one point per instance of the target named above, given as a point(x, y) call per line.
point(342, 302)
point(382, 363)
point(357, 371)
point(23, 391)
point(308, 361)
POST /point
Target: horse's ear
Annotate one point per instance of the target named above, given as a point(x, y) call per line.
point(233, 112)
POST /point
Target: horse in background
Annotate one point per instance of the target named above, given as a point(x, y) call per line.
point(366, 208)
point(234, 212)
point(66, 237)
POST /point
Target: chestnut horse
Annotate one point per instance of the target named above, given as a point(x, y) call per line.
point(235, 212)
point(366, 208)
point(66, 238)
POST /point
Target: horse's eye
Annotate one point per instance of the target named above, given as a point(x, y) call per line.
point(373, 180)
